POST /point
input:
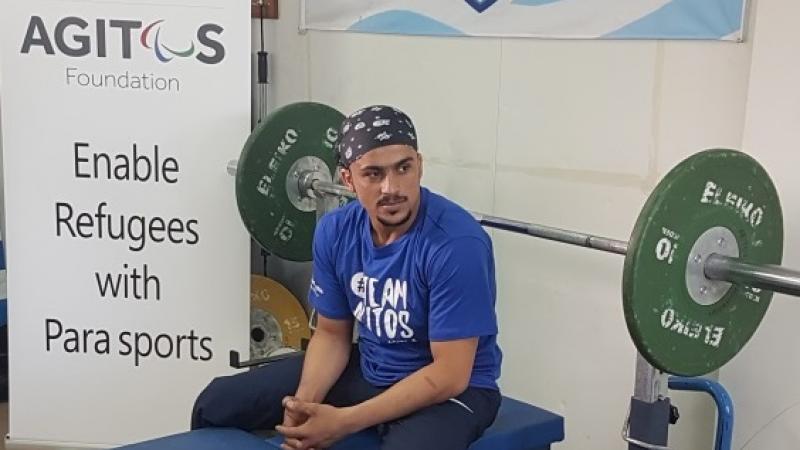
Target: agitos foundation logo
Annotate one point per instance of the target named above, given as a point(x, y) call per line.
point(75, 37)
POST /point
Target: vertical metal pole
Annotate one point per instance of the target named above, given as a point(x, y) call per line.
point(651, 383)
point(647, 424)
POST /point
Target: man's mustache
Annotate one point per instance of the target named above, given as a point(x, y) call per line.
point(391, 200)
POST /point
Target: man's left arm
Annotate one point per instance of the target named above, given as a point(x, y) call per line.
point(446, 377)
point(461, 310)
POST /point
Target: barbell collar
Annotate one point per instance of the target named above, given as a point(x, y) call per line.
point(769, 277)
point(324, 187)
point(232, 167)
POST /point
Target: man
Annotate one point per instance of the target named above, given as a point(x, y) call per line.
point(416, 272)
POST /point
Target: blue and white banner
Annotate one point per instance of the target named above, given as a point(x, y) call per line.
point(556, 19)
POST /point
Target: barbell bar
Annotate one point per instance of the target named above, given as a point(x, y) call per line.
point(700, 267)
point(770, 277)
point(540, 231)
point(717, 267)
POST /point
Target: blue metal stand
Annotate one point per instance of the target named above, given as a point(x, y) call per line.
point(724, 434)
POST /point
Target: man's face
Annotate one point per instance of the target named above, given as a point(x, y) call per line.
point(387, 183)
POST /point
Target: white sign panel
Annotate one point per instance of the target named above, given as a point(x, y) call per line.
point(128, 278)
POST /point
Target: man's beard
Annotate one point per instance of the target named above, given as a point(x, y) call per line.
point(391, 200)
point(402, 221)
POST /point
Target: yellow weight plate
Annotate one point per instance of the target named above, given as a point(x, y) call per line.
point(277, 319)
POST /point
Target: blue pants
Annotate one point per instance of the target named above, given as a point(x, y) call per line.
point(252, 401)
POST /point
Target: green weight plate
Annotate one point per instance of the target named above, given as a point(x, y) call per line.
point(672, 328)
point(295, 138)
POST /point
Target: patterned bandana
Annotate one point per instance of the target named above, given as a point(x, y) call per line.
point(373, 127)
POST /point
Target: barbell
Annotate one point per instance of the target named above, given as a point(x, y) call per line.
point(701, 265)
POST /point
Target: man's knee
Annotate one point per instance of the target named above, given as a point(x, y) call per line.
point(209, 403)
point(249, 400)
point(451, 425)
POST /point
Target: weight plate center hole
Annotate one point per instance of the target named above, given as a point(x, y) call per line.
point(716, 240)
point(257, 334)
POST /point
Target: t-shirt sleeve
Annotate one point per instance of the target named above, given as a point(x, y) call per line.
point(326, 294)
point(462, 291)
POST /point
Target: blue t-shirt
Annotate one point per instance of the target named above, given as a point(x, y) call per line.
point(435, 283)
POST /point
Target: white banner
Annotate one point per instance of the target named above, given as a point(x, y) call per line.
point(557, 19)
point(128, 278)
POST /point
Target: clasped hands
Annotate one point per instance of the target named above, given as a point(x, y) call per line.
point(311, 426)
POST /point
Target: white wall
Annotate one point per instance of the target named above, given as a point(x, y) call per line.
point(2, 196)
point(763, 377)
point(573, 134)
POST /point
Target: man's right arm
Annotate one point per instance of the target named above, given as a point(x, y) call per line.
point(329, 349)
point(326, 357)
